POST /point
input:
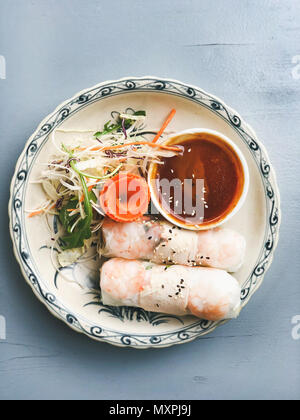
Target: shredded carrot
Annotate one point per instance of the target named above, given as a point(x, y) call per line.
point(136, 143)
point(36, 213)
point(142, 143)
point(164, 126)
point(70, 210)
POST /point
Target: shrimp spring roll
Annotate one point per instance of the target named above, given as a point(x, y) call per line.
point(163, 243)
point(207, 293)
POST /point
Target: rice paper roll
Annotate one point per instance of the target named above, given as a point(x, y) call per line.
point(206, 293)
point(163, 243)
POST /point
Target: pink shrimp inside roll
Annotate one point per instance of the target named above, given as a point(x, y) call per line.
point(163, 243)
point(207, 293)
point(122, 279)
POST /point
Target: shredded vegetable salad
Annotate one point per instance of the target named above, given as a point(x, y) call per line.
point(75, 175)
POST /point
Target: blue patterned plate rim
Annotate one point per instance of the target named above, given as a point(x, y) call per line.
point(86, 98)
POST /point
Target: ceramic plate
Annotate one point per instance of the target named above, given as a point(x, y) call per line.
point(79, 305)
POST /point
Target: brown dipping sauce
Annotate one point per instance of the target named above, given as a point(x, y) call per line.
point(206, 157)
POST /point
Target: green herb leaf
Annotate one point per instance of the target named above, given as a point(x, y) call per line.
point(140, 113)
point(110, 127)
point(128, 122)
point(76, 239)
point(82, 230)
point(64, 215)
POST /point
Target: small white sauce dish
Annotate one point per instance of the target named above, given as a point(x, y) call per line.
point(175, 139)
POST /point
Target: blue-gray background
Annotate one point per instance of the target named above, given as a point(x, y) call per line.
point(240, 50)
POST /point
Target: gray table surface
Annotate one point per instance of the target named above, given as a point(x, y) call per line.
point(244, 51)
